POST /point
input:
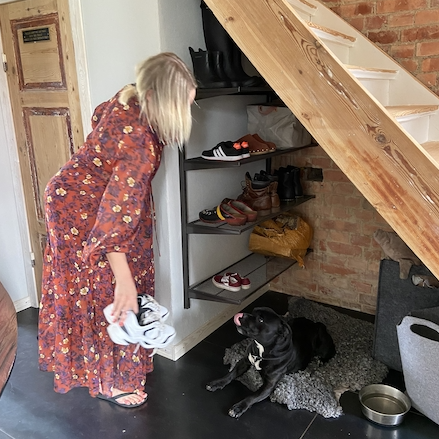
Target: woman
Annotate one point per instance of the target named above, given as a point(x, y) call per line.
point(99, 220)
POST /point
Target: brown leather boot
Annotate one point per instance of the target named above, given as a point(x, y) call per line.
point(275, 201)
point(257, 199)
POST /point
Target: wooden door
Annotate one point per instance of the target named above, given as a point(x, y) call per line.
point(40, 63)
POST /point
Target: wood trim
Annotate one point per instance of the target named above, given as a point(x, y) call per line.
point(331, 31)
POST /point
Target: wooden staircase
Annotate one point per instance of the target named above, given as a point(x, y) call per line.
point(377, 122)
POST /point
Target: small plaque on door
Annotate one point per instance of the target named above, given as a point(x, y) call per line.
point(30, 36)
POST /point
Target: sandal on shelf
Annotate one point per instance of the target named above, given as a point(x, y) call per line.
point(114, 400)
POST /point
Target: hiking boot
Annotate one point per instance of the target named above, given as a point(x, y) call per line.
point(257, 199)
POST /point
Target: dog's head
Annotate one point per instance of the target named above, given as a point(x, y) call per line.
point(262, 325)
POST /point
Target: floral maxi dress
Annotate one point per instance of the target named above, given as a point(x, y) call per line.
point(98, 202)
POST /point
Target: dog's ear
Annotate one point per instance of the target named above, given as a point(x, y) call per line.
point(284, 330)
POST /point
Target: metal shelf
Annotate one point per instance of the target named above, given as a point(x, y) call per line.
point(258, 268)
point(222, 228)
point(200, 163)
point(205, 93)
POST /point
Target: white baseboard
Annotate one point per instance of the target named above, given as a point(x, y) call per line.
point(174, 352)
point(22, 304)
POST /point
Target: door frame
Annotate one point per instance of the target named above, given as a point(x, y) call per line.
point(86, 112)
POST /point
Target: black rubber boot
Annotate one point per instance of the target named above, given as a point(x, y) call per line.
point(204, 70)
point(218, 66)
point(218, 40)
point(285, 188)
point(298, 190)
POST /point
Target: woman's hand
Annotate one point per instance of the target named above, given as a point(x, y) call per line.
point(125, 291)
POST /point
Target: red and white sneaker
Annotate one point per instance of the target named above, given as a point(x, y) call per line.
point(245, 281)
point(226, 282)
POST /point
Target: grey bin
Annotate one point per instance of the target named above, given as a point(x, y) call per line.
point(418, 338)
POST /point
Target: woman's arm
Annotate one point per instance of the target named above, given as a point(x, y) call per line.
point(125, 291)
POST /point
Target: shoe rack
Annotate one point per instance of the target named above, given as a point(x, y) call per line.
point(259, 268)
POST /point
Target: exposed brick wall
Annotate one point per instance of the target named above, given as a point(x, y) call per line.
point(343, 268)
point(405, 29)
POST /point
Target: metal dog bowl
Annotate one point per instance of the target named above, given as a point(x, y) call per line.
point(384, 404)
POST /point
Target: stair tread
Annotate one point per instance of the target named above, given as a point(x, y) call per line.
point(333, 32)
point(432, 147)
point(407, 110)
point(371, 69)
point(304, 2)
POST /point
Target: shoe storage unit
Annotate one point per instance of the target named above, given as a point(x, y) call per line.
point(259, 268)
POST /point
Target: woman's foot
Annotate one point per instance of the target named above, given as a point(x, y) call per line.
point(135, 398)
point(125, 399)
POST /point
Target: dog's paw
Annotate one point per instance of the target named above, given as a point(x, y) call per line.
point(214, 385)
point(237, 410)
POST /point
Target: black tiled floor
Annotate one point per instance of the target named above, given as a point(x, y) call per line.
point(179, 407)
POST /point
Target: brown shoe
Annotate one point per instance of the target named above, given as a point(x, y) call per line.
point(257, 199)
point(272, 189)
point(255, 146)
point(271, 145)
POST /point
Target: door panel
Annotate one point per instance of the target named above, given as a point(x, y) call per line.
point(44, 95)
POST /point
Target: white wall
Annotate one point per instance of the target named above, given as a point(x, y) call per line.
point(118, 35)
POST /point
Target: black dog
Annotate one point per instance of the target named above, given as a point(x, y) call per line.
point(278, 348)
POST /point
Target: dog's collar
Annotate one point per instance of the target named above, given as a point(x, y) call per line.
point(256, 359)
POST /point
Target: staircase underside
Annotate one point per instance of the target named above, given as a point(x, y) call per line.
point(394, 173)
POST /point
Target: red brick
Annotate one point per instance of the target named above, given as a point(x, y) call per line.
point(375, 22)
point(338, 236)
point(337, 270)
point(364, 8)
point(339, 212)
point(362, 287)
point(357, 23)
point(426, 17)
point(420, 33)
point(429, 79)
point(400, 20)
point(403, 51)
point(427, 48)
point(430, 65)
point(361, 240)
point(383, 37)
point(388, 6)
point(344, 249)
point(409, 64)
point(364, 215)
point(343, 188)
point(346, 10)
point(334, 175)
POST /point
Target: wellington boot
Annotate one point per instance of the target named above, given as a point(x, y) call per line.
point(286, 184)
point(204, 70)
point(217, 39)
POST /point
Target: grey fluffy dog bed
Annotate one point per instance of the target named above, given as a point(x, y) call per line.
point(318, 388)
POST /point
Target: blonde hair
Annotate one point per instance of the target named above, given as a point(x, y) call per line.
point(168, 82)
